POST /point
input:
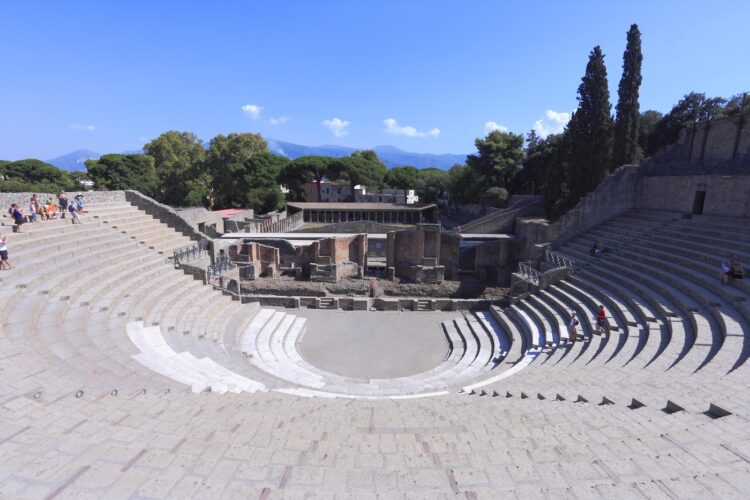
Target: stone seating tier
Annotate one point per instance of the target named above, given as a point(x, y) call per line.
point(103, 348)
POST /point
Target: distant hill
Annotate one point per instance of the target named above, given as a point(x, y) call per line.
point(75, 160)
point(391, 156)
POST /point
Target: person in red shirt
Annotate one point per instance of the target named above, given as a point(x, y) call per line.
point(601, 318)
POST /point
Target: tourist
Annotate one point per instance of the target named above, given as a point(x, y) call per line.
point(601, 320)
point(595, 249)
point(573, 324)
point(33, 209)
point(51, 209)
point(62, 200)
point(17, 213)
point(73, 209)
point(726, 273)
point(80, 202)
point(4, 262)
point(736, 270)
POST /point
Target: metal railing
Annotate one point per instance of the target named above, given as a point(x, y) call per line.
point(189, 252)
point(557, 260)
point(220, 266)
point(528, 273)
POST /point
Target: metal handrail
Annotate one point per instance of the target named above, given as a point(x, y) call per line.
point(528, 273)
point(556, 259)
point(189, 252)
point(221, 265)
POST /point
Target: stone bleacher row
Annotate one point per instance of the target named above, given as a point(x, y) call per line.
point(98, 367)
point(670, 318)
point(678, 337)
point(77, 290)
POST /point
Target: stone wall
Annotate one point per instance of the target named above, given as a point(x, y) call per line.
point(450, 254)
point(502, 221)
point(356, 227)
point(203, 218)
point(336, 258)
point(717, 141)
point(255, 259)
point(165, 214)
point(496, 260)
point(6, 199)
point(725, 195)
point(615, 195)
point(414, 254)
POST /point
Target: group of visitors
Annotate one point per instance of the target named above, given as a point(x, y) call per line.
point(731, 270)
point(600, 319)
point(41, 211)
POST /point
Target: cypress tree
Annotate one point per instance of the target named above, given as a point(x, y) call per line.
point(590, 130)
point(626, 148)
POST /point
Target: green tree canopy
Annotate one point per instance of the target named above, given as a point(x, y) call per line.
point(499, 156)
point(495, 196)
point(359, 170)
point(255, 184)
point(464, 186)
point(432, 185)
point(625, 147)
point(736, 105)
point(306, 169)
point(403, 178)
point(132, 171)
point(646, 126)
point(691, 109)
point(225, 155)
point(180, 166)
point(368, 154)
point(590, 129)
point(34, 175)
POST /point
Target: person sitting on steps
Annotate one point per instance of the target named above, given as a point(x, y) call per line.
point(736, 269)
point(596, 249)
point(726, 273)
point(731, 270)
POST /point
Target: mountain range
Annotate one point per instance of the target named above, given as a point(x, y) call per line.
point(390, 155)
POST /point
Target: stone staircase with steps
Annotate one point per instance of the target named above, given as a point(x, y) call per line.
point(103, 346)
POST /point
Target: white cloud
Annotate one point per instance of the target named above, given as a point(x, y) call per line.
point(553, 123)
point(87, 128)
point(252, 110)
point(144, 139)
point(392, 127)
point(337, 126)
point(278, 120)
point(492, 126)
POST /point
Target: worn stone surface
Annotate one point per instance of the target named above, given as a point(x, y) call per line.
point(362, 345)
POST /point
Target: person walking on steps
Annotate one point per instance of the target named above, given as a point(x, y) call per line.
point(17, 213)
point(62, 199)
point(601, 320)
point(73, 209)
point(573, 333)
point(4, 262)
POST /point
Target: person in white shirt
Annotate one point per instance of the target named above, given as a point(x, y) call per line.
point(573, 324)
point(4, 262)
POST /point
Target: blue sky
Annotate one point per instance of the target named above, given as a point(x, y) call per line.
point(425, 76)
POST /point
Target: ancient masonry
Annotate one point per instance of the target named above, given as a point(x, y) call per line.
point(123, 376)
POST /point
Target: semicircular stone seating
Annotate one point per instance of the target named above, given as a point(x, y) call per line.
point(100, 307)
point(677, 337)
point(123, 377)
